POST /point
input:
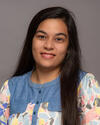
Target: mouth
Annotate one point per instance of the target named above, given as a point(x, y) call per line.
point(47, 55)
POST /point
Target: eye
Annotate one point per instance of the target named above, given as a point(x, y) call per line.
point(59, 39)
point(41, 37)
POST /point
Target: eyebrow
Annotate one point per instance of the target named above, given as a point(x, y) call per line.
point(61, 34)
point(41, 31)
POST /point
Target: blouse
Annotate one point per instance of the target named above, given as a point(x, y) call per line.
point(23, 102)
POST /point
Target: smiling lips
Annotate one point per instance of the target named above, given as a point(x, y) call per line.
point(48, 55)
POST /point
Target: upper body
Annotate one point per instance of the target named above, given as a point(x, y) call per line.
point(23, 102)
point(52, 48)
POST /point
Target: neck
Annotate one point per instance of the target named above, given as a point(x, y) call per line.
point(41, 76)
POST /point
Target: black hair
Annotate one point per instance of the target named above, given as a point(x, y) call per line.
point(71, 63)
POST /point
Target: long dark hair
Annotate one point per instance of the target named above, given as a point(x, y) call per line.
point(71, 64)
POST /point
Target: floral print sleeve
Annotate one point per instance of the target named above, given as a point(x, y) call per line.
point(89, 100)
point(4, 103)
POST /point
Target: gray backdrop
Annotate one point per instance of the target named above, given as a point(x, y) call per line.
point(15, 16)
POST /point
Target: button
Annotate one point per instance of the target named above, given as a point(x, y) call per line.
point(37, 102)
point(39, 91)
point(34, 113)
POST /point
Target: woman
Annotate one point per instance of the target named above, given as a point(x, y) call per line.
point(49, 87)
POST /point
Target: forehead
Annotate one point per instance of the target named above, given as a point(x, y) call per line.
point(53, 25)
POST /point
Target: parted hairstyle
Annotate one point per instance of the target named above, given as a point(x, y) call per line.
point(71, 64)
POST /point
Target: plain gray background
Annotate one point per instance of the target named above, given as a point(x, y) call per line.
point(15, 16)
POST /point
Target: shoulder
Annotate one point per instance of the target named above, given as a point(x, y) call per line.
point(18, 81)
point(88, 79)
point(19, 78)
point(89, 99)
point(89, 84)
point(4, 89)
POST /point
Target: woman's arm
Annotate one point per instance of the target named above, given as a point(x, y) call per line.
point(89, 100)
point(4, 103)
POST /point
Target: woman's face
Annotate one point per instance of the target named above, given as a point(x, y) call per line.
point(50, 43)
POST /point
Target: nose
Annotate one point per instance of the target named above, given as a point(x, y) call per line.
point(49, 45)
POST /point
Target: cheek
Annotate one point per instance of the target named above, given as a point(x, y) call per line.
point(62, 51)
point(35, 46)
point(34, 49)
